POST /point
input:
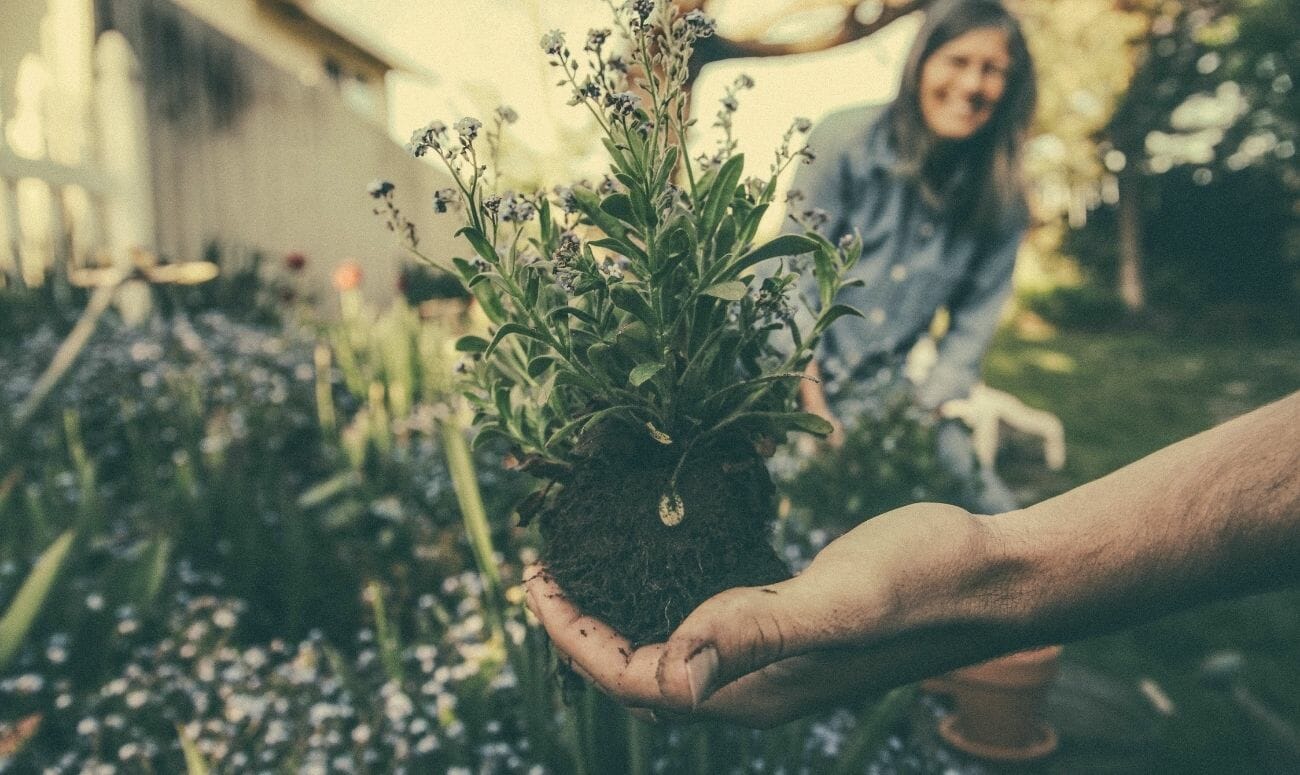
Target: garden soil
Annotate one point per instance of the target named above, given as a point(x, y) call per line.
point(616, 560)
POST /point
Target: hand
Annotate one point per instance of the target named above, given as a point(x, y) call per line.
point(927, 588)
point(761, 656)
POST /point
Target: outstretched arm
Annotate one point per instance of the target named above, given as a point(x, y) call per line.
point(928, 588)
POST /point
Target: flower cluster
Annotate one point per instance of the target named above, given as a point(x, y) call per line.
point(444, 199)
point(305, 705)
point(516, 208)
point(785, 152)
point(728, 106)
point(385, 207)
point(430, 137)
point(810, 218)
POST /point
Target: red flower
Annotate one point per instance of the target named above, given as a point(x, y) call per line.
point(348, 276)
point(295, 261)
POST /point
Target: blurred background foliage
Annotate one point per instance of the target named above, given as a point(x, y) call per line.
point(1175, 126)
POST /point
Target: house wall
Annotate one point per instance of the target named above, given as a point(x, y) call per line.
point(300, 47)
point(248, 158)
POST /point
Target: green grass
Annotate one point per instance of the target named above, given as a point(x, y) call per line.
point(1124, 395)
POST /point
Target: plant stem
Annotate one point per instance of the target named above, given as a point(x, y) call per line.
point(637, 753)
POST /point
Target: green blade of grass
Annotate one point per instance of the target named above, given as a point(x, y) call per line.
point(194, 763)
point(26, 605)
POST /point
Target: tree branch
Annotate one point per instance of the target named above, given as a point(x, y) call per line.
point(719, 48)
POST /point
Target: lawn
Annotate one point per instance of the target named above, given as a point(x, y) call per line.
point(1122, 395)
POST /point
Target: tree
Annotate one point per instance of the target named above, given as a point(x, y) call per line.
point(1211, 96)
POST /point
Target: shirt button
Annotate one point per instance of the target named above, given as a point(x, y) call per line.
point(925, 231)
point(898, 273)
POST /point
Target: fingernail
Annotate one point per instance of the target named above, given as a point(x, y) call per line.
point(701, 670)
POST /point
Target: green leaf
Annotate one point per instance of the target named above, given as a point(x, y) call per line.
point(544, 390)
point(720, 193)
point(532, 287)
point(590, 205)
point(750, 385)
point(27, 603)
point(547, 224)
point(328, 489)
point(153, 572)
point(574, 312)
point(784, 245)
point(480, 243)
point(824, 269)
point(622, 247)
point(466, 269)
point(731, 290)
point(616, 155)
point(726, 237)
point(831, 315)
point(582, 423)
point(471, 344)
point(619, 206)
point(513, 328)
point(626, 297)
point(644, 372)
point(486, 433)
point(778, 423)
point(501, 399)
point(635, 340)
point(749, 226)
point(573, 378)
point(602, 357)
point(637, 146)
point(539, 365)
point(665, 169)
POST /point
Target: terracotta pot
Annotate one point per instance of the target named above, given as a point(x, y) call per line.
point(999, 704)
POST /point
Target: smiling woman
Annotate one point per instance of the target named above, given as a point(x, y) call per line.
point(963, 81)
point(931, 184)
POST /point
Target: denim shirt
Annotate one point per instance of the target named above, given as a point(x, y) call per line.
point(913, 262)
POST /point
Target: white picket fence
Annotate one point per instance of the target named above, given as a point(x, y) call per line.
point(53, 190)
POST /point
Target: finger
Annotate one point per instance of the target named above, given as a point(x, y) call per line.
point(567, 661)
point(785, 690)
point(596, 650)
point(734, 633)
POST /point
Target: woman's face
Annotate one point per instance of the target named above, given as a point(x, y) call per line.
point(962, 82)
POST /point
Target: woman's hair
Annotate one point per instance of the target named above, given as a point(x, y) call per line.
point(979, 183)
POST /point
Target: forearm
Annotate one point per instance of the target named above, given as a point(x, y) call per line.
point(1213, 516)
